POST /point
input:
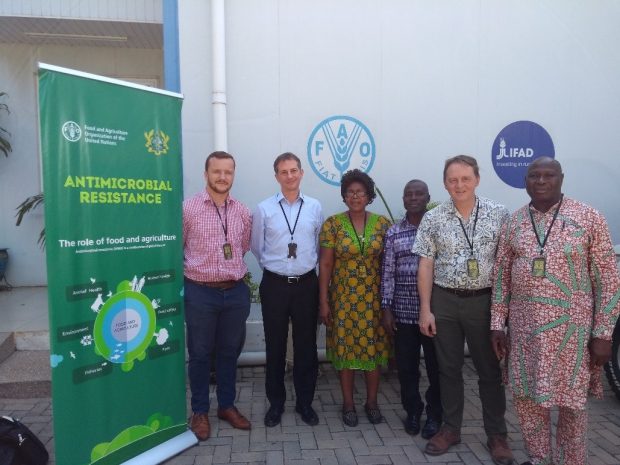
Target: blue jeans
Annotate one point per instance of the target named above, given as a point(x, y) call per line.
point(215, 322)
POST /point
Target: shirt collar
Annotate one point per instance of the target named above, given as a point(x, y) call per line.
point(207, 198)
point(454, 210)
point(280, 196)
point(405, 224)
point(551, 210)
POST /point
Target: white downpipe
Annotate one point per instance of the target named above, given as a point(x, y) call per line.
point(218, 30)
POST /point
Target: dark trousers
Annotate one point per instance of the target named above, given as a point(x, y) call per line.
point(299, 302)
point(407, 343)
point(215, 322)
point(460, 319)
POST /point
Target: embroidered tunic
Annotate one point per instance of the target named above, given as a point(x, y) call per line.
point(552, 318)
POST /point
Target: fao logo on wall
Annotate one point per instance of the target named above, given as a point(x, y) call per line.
point(516, 147)
point(338, 144)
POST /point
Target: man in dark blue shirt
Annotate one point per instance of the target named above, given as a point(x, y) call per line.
point(401, 309)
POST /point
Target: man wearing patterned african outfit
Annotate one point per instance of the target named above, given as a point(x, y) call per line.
point(556, 286)
point(457, 242)
point(400, 303)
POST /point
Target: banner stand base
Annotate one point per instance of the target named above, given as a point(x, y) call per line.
point(165, 450)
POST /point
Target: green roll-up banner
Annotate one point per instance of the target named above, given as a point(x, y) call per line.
point(112, 180)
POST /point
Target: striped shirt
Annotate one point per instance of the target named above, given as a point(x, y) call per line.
point(399, 269)
point(204, 239)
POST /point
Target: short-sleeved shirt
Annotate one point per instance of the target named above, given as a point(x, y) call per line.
point(441, 238)
point(204, 238)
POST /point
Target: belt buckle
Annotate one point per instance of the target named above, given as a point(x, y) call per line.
point(292, 279)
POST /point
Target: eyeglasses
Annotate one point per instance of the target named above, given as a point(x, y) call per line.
point(358, 194)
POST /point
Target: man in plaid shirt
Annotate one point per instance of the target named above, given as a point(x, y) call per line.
point(216, 235)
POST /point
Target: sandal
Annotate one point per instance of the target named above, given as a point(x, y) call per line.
point(373, 414)
point(349, 417)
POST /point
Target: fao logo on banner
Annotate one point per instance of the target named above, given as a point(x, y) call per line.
point(71, 131)
point(516, 147)
point(338, 144)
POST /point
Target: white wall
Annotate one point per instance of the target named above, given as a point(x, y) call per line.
point(429, 79)
point(20, 174)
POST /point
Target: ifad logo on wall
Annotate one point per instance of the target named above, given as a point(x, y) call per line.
point(515, 147)
point(338, 144)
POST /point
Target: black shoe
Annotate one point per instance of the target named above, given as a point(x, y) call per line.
point(527, 463)
point(273, 416)
point(373, 414)
point(349, 417)
point(308, 415)
point(412, 424)
point(431, 427)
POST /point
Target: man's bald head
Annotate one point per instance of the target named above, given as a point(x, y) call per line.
point(543, 183)
point(545, 161)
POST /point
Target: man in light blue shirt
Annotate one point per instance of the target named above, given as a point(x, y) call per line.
point(285, 233)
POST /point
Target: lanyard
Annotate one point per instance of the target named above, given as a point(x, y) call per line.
point(361, 242)
point(542, 244)
point(225, 222)
point(292, 231)
point(473, 231)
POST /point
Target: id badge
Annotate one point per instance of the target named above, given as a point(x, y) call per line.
point(227, 251)
point(538, 267)
point(361, 271)
point(292, 250)
point(472, 268)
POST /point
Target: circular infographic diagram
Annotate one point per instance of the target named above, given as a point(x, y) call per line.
point(516, 147)
point(124, 326)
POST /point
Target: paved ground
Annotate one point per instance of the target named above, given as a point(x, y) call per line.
point(330, 442)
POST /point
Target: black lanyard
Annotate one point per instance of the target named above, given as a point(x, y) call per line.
point(555, 215)
point(292, 231)
point(361, 242)
point(473, 231)
point(225, 222)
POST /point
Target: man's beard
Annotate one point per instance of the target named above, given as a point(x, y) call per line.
point(220, 188)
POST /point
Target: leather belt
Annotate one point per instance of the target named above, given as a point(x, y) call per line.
point(222, 285)
point(289, 279)
point(465, 292)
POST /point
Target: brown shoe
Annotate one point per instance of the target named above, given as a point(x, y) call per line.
point(500, 450)
point(232, 416)
point(199, 424)
point(442, 441)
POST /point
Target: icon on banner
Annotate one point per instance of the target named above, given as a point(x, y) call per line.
point(156, 142)
point(71, 131)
